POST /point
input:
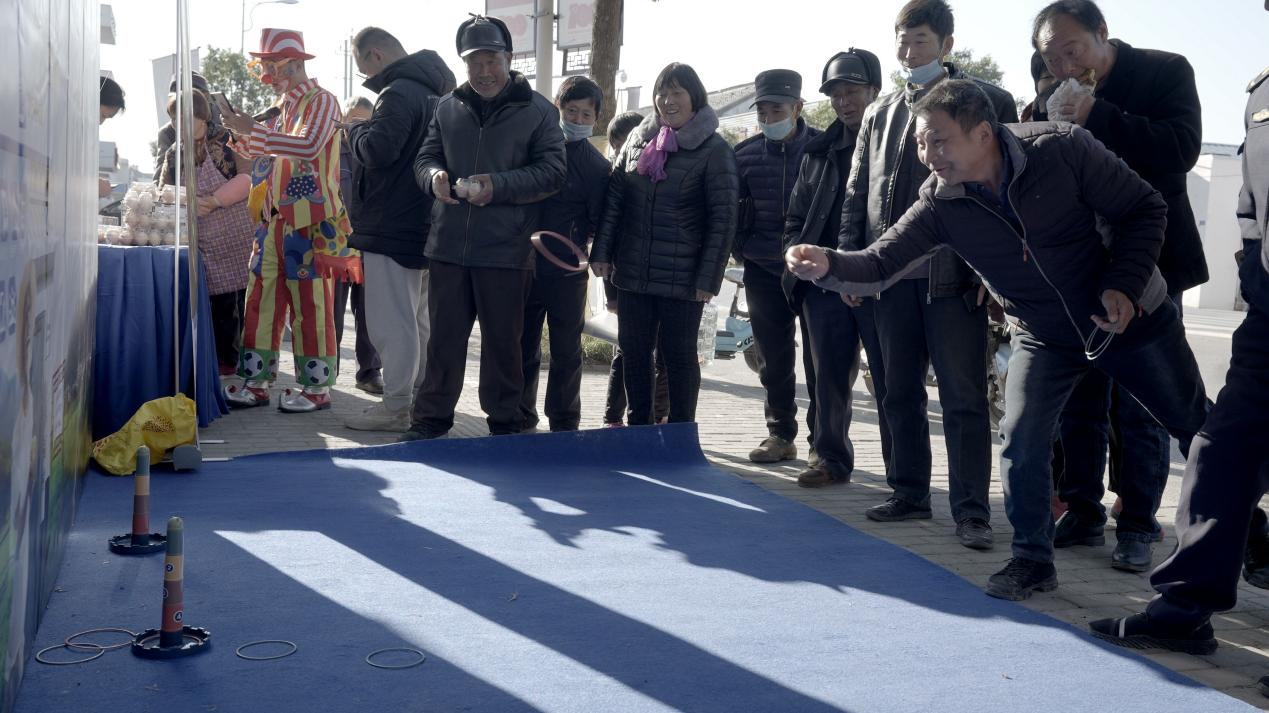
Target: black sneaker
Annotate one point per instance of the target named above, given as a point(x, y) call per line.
point(1139, 632)
point(1133, 554)
point(1263, 685)
point(895, 509)
point(1256, 561)
point(1072, 530)
point(417, 433)
point(1020, 578)
point(975, 534)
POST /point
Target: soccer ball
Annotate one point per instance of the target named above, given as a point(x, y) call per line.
point(253, 364)
point(316, 371)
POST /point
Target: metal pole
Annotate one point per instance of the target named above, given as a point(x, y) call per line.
point(545, 56)
point(187, 174)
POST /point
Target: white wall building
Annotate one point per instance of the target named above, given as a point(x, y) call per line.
point(1214, 184)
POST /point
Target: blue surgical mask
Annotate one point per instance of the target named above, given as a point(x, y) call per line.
point(780, 130)
point(924, 74)
point(575, 132)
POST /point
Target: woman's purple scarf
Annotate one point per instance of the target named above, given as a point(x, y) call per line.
point(652, 160)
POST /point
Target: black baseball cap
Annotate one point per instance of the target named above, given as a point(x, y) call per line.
point(482, 33)
point(777, 85)
point(855, 66)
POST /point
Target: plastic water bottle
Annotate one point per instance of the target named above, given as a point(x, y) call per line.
point(706, 335)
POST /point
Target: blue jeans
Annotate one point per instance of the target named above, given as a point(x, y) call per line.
point(1151, 360)
point(915, 330)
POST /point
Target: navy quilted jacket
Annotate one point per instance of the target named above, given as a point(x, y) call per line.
point(768, 171)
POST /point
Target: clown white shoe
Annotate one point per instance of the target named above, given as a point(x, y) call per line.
point(305, 401)
point(249, 395)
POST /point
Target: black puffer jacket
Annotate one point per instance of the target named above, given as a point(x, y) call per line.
point(671, 238)
point(1148, 113)
point(876, 198)
point(516, 139)
point(574, 212)
point(1050, 274)
point(389, 213)
point(815, 208)
point(767, 170)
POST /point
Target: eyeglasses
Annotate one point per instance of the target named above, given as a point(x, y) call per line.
point(260, 67)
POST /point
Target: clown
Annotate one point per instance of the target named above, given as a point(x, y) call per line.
point(301, 243)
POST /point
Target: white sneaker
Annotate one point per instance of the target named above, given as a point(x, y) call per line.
point(378, 418)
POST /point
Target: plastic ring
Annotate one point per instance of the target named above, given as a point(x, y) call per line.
point(39, 655)
point(422, 657)
point(239, 654)
point(89, 646)
point(582, 258)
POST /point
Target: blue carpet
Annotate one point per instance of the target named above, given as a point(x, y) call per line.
point(604, 571)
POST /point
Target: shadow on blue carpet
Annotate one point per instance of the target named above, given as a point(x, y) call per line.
point(609, 570)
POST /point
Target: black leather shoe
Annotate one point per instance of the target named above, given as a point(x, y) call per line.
point(895, 509)
point(1256, 561)
point(1020, 578)
point(975, 534)
point(1140, 632)
point(1132, 555)
point(1072, 530)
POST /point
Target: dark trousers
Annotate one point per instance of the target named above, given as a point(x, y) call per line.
point(832, 331)
point(226, 315)
point(1151, 360)
point(915, 330)
point(615, 406)
point(560, 302)
point(368, 364)
point(1226, 475)
point(774, 324)
point(646, 323)
point(457, 297)
point(1102, 425)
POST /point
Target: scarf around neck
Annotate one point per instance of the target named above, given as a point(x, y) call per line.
point(652, 160)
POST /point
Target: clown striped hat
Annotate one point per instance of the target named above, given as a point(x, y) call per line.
point(281, 44)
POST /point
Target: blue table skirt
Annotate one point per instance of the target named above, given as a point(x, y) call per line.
point(132, 360)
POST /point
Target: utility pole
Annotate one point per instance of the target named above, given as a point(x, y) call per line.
point(348, 68)
point(545, 56)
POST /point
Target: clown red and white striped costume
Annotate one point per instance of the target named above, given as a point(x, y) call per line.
point(318, 123)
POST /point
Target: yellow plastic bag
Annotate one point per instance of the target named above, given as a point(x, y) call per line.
point(161, 425)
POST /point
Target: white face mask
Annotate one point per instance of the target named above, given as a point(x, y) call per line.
point(780, 130)
point(924, 74)
point(576, 132)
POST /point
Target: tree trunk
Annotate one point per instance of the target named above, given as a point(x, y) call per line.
point(605, 55)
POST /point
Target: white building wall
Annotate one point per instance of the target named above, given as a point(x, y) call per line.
point(1213, 186)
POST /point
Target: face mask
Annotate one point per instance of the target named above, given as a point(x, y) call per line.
point(576, 132)
point(778, 131)
point(924, 74)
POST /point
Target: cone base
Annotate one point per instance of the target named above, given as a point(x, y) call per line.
point(194, 640)
point(122, 545)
